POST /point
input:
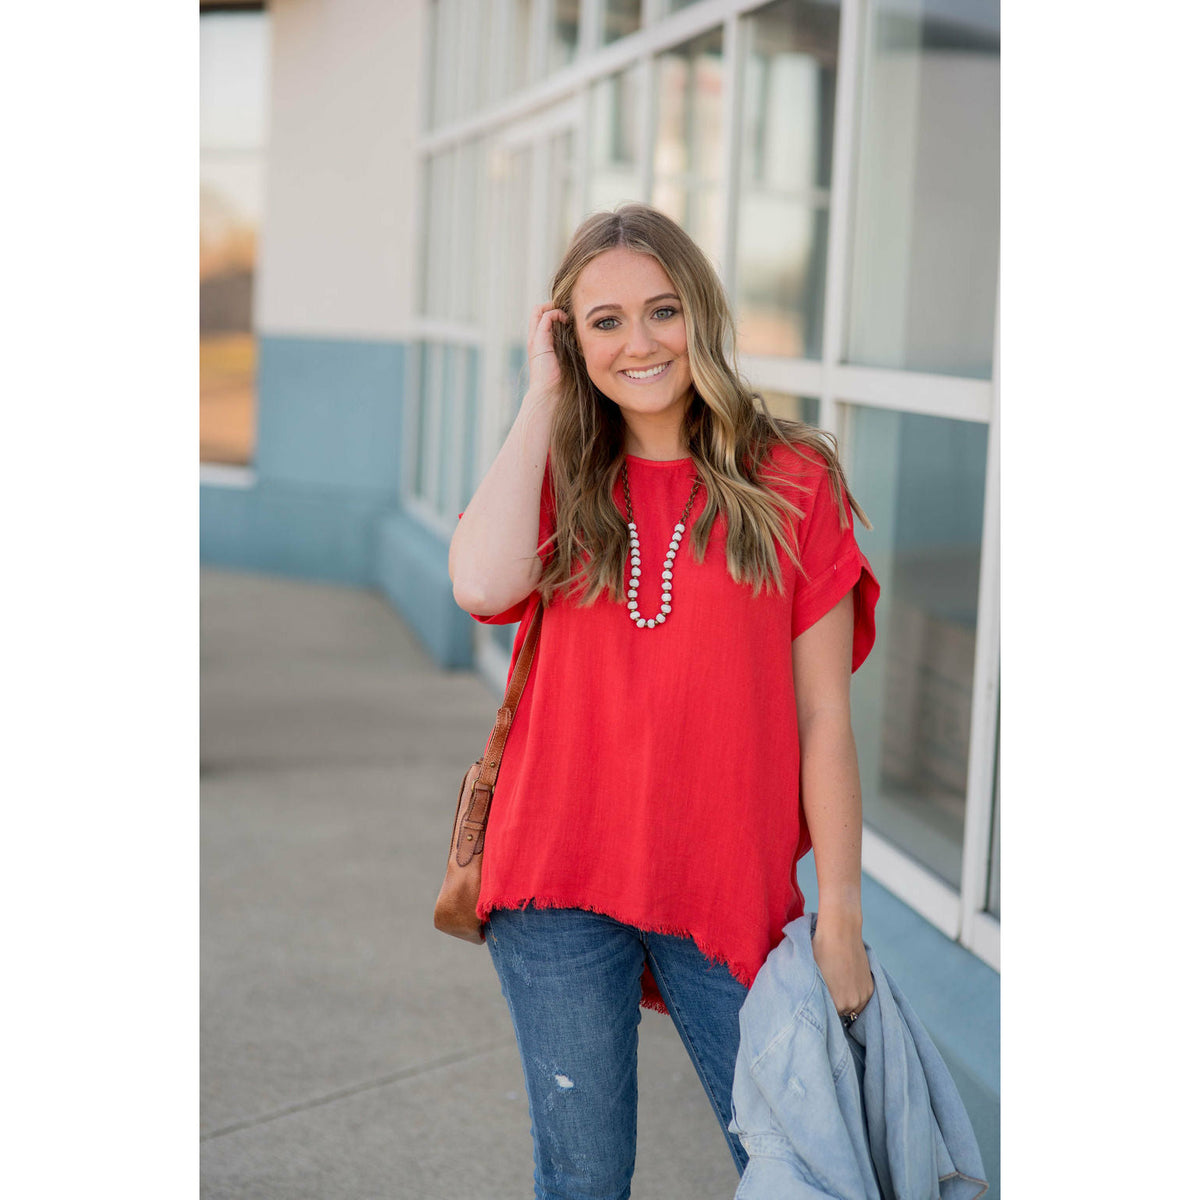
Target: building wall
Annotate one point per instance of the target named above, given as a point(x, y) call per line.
point(332, 306)
point(339, 235)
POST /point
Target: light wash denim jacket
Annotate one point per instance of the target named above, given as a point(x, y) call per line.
point(865, 1113)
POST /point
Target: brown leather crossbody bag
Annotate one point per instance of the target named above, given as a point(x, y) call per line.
point(454, 912)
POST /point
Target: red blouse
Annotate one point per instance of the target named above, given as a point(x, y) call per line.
point(654, 774)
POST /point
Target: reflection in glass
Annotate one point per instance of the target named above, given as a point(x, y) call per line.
point(562, 193)
point(452, 382)
point(687, 146)
point(616, 140)
point(564, 33)
point(516, 196)
point(921, 481)
point(787, 151)
point(465, 230)
point(923, 276)
point(790, 407)
point(438, 229)
point(621, 18)
point(520, 43)
point(470, 425)
point(234, 65)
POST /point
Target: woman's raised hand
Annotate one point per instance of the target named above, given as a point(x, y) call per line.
point(544, 374)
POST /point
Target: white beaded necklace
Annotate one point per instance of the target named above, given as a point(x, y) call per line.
point(635, 568)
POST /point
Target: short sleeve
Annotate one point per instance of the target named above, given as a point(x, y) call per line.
point(833, 565)
point(546, 522)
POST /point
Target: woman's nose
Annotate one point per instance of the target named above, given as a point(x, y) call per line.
point(640, 341)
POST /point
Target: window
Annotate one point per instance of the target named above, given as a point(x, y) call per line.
point(921, 481)
point(564, 33)
point(234, 57)
point(687, 146)
point(787, 150)
point(616, 151)
point(923, 285)
point(621, 18)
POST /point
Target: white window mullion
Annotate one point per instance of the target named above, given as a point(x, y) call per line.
point(797, 376)
point(841, 194)
point(909, 391)
point(913, 883)
point(985, 694)
point(732, 43)
point(591, 15)
point(539, 41)
point(649, 130)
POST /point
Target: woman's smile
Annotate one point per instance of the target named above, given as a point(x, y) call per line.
point(645, 374)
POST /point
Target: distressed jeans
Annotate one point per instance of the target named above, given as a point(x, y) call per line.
point(572, 982)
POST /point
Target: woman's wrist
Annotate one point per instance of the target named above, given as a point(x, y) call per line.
point(841, 917)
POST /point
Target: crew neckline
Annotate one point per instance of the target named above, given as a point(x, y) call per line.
point(658, 462)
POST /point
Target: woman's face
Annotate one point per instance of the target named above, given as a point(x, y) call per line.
point(629, 322)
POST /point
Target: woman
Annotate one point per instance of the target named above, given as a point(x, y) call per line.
point(705, 603)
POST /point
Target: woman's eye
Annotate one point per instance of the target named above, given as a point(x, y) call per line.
point(606, 323)
point(665, 313)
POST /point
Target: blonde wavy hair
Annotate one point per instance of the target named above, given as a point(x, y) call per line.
point(727, 429)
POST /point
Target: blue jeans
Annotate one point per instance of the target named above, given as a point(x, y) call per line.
point(572, 982)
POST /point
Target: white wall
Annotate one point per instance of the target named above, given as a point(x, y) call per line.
point(336, 256)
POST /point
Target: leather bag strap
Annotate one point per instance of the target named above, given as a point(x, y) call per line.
point(512, 697)
point(469, 834)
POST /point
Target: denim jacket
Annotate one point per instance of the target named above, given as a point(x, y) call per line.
point(864, 1113)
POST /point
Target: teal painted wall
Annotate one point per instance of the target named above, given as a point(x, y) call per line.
point(327, 466)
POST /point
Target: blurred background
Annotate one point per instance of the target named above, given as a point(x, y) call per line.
point(385, 188)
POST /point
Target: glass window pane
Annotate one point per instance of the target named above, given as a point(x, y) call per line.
point(234, 69)
point(564, 33)
point(676, 5)
point(790, 407)
point(514, 192)
point(687, 147)
point(616, 141)
point(520, 43)
point(448, 447)
point(923, 278)
point(438, 231)
point(446, 60)
point(563, 187)
point(464, 273)
point(787, 152)
point(621, 18)
point(921, 481)
point(470, 403)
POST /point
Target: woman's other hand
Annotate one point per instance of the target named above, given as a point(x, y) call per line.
point(544, 373)
point(842, 958)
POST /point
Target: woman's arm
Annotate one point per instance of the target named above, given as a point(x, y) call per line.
point(493, 553)
point(832, 799)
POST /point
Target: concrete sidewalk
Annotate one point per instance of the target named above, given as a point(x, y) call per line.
point(348, 1051)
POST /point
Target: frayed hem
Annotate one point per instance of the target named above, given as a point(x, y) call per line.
point(740, 971)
